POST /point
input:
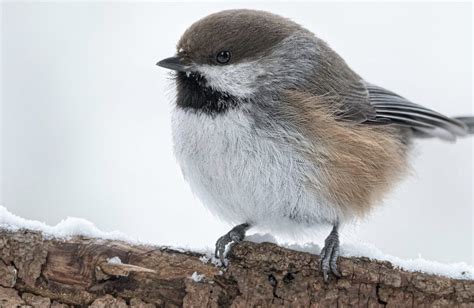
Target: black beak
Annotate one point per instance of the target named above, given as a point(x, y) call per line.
point(173, 63)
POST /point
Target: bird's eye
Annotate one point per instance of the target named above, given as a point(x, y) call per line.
point(223, 57)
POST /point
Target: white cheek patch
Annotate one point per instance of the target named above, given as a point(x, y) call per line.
point(236, 79)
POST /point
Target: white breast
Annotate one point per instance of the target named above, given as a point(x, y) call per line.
point(243, 176)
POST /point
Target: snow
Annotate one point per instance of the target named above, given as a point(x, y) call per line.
point(197, 277)
point(459, 270)
point(204, 259)
point(114, 260)
point(65, 229)
point(306, 247)
point(209, 257)
point(80, 227)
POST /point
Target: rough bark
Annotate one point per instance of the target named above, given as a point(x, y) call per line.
point(42, 272)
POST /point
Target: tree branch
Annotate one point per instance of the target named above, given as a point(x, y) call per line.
point(59, 273)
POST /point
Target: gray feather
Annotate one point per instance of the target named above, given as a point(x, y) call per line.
point(446, 124)
point(423, 121)
point(440, 133)
point(468, 122)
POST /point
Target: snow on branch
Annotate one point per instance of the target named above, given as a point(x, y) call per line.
point(44, 272)
point(75, 263)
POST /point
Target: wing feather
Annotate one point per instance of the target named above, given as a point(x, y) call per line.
point(391, 106)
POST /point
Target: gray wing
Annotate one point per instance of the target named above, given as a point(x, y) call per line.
point(391, 108)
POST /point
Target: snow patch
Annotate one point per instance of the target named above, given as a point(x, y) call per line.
point(70, 227)
point(306, 247)
point(459, 270)
point(216, 261)
point(197, 277)
point(114, 260)
point(66, 228)
point(204, 259)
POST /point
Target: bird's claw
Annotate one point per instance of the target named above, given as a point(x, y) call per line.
point(237, 234)
point(329, 255)
point(221, 244)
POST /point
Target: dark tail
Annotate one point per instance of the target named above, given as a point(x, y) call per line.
point(464, 127)
point(469, 122)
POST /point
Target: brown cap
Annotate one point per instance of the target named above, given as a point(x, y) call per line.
point(247, 34)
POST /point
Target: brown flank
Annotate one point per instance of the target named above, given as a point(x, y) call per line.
point(359, 163)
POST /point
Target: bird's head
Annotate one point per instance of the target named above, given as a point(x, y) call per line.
point(234, 57)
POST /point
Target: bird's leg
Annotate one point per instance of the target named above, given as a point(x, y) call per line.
point(237, 234)
point(329, 254)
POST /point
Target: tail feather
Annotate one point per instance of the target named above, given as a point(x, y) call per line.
point(445, 133)
point(469, 122)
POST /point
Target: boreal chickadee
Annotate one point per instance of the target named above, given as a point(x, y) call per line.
point(273, 129)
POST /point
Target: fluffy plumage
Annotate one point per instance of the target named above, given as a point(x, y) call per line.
point(245, 174)
point(286, 134)
point(273, 129)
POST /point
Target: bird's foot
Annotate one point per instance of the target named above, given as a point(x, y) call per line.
point(237, 234)
point(329, 255)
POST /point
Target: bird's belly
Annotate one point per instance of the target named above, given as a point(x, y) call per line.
point(242, 176)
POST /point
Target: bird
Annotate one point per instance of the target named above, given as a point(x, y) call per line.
point(272, 129)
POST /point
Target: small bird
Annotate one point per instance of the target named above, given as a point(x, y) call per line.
point(272, 128)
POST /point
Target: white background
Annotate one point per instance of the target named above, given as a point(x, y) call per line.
point(86, 116)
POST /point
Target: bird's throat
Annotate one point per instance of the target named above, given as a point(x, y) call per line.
point(195, 94)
